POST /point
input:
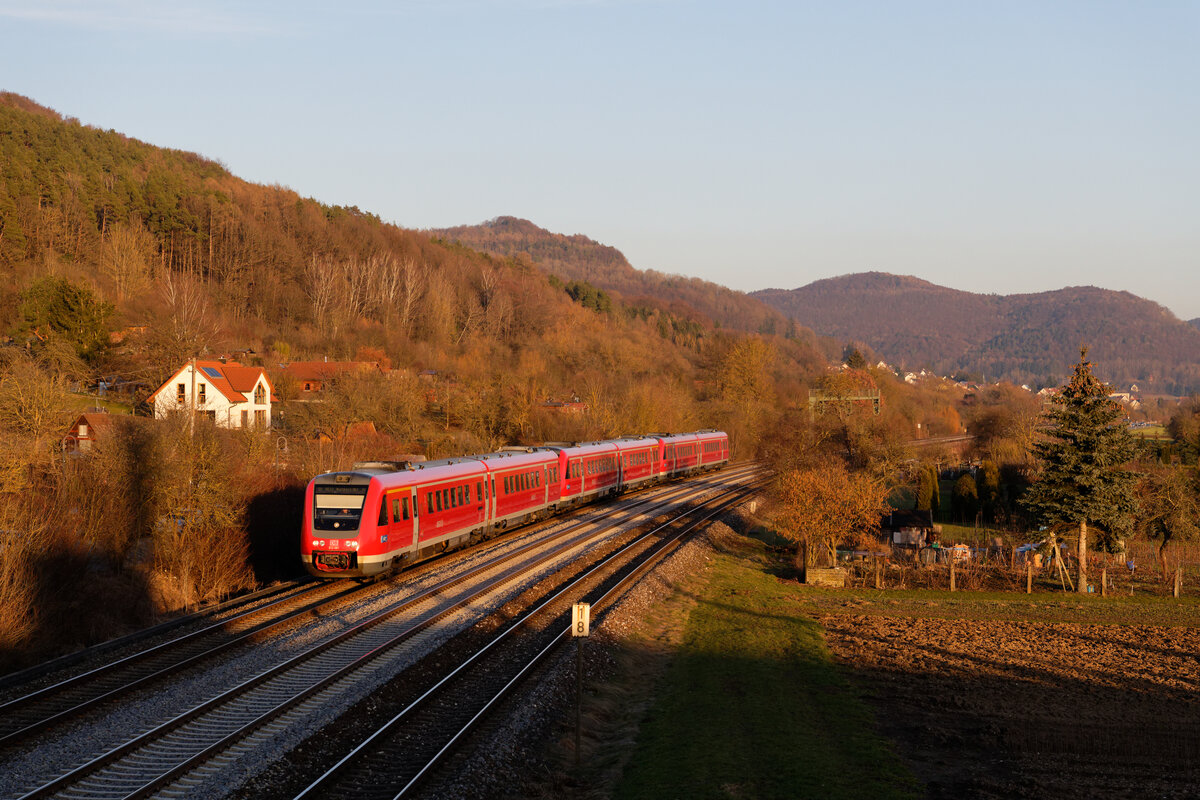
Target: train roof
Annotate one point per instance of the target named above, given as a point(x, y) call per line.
point(515, 457)
point(588, 449)
point(635, 442)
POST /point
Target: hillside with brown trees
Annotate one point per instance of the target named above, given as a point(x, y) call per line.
point(1024, 338)
point(578, 258)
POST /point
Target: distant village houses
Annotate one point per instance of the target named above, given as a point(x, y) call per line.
point(312, 376)
point(231, 395)
point(86, 430)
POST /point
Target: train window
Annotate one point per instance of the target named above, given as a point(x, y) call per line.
point(462, 497)
point(479, 491)
point(429, 500)
point(396, 508)
point(338, 507)
point(382, 512)
point(404, 508)
point(467, 492)
point(440, 500)
point(525, 481)
point(507, 486)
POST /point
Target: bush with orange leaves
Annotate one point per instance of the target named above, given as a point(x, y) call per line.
point(824, 506)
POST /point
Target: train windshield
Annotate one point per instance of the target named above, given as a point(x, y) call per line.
point(338, 508)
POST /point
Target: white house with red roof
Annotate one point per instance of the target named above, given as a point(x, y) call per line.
point(231, 395)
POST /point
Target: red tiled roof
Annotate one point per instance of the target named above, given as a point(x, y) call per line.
point(324, 370)
point(230, 379)
point(96, 421)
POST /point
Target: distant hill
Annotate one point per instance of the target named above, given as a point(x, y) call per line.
point(577, 257)
point(1026, 338)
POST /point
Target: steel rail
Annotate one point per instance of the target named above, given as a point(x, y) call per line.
point(70, 659)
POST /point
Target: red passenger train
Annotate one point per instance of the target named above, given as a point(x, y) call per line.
point(380, 515)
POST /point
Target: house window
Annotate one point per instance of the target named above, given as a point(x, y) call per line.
point(200, 398)
point(308, 387)
point(245, 418)
point(82, 429)
point(180, 392)
point(260, 419)
point(260, 395)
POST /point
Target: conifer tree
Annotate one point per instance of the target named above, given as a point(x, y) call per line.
point(1083, 459)
point(935, 502)
point(924, 490)
point(989, 489)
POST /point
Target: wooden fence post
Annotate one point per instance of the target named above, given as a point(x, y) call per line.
point(1178, 580)
point(1104, 582)
point(952, 572)
point(1028, 577)
point(878, 576)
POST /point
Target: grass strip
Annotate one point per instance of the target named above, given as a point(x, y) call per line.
point(752, 705)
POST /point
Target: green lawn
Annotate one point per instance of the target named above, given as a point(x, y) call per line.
point(752, 706)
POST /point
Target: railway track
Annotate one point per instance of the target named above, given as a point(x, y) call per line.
point(394, 760)
point(65, 662)
point(201, 740)
point(38, 710)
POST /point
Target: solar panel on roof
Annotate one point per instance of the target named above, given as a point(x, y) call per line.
point(211, 372)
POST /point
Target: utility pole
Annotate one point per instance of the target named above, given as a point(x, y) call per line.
point(192, 404)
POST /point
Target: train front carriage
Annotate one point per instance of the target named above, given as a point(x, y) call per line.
point(337, 536)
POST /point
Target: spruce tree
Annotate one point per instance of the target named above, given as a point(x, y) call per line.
point(1083, 456)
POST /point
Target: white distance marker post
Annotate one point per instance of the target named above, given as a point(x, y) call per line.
point(581, 618)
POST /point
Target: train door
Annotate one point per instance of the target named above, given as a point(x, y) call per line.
point(402, 532)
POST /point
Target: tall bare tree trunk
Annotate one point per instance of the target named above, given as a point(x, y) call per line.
point(1082, 586)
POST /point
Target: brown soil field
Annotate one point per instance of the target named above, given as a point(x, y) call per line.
point(1000, 708)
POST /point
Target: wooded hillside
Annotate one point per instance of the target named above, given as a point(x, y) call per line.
point(192, 260)
point(1025, 338)
point(579, 258)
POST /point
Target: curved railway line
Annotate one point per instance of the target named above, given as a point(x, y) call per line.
point(395, 759)
point(172, 757)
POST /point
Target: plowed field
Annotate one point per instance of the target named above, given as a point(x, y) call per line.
point(987, 708)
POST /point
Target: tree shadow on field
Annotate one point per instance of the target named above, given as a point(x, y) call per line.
point(273, 520)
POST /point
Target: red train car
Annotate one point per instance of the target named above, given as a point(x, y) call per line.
point(382, 515)
point(589, 471)
point(638, 459)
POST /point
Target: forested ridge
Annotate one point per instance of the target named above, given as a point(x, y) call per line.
point(192, 260)
point(579, 258)
point(1025, 338)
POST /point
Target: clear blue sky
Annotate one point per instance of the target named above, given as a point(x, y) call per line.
point(988, 146)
